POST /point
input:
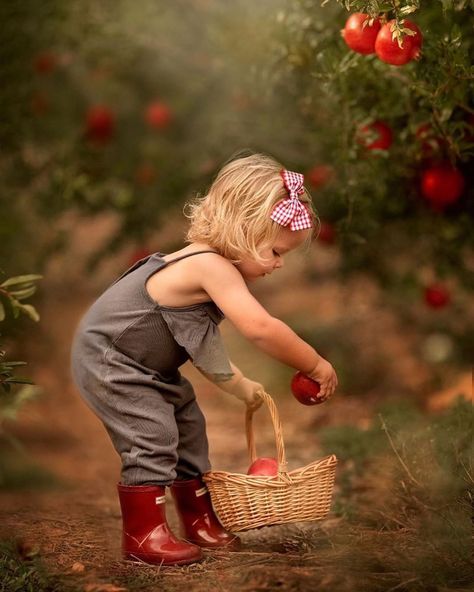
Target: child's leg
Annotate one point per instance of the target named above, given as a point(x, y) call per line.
point(199, 524)
point(146, 437)
point(193, 448)
point(138, 411)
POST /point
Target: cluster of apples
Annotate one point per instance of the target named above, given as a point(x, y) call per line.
point(441, 183)
point(366, 36)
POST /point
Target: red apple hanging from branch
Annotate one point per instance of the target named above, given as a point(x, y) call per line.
point(320, 175)
point(45, 62)
point(436, 296)
point(442, 185)
point(398, 46)
point(158, 115)
point(360, 32)
point(100, 124)
point(327, 233)
point(430, 143)
point(395, 43)
point(375, 136)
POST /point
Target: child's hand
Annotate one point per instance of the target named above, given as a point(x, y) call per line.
point(325, 375)
point(246, 390)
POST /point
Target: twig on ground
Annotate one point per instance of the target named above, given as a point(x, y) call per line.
point(403, 584)
point(384, 427)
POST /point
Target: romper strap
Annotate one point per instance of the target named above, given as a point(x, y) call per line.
point(187, 255)
point(141, 262)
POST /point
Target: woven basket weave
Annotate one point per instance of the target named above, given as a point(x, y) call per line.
point(243, 501)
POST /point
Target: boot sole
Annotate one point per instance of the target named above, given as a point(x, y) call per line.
point(137, 560)
point(229, 547)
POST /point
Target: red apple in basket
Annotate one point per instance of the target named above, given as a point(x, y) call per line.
point(264, 466)
point(305, 389)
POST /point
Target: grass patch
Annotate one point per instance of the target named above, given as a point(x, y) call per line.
point(406, 499)
point(21, 570)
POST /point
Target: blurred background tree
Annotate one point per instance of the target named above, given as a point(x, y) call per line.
point(399, 139)
point(111, 107)
point(392, 144)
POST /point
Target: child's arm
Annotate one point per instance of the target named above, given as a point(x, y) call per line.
point(241, 387)
point(226, 287)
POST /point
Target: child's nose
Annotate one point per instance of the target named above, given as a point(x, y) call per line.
point(279, 263)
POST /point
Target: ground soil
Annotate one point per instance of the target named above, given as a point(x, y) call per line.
point(75, 525)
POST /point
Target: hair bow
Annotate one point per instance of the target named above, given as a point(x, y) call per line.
point(291, 211)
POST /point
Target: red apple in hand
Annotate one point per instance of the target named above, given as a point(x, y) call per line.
point(305, 389)
point(264, 466)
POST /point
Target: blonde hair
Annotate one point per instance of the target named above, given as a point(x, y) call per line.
point(234, 217)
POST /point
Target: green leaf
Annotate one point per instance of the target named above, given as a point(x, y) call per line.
point(21, 279)
point(408, 9)
point(12, 364)
point(408, 31)
point(2, 312)
point(30, 311)
point(24, 293)
point(17, 380)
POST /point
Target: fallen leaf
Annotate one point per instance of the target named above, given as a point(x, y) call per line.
point(27, 549)
point(78, 567)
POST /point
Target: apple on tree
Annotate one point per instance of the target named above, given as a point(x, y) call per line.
point(442, 185)
point(360, 34)
point(158, 115)
point(375, 136)
point(437, 296)
point(398, 52)
point(100, 124)
point(45, 62)
point(320, 175)
point(430, 143)
point(327, 233)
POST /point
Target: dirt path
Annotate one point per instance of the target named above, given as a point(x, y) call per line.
point(75, 526)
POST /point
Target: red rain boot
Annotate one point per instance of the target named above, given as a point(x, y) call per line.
point(146, 534)
point(199, 523)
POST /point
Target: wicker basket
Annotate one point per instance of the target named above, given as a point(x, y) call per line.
point(243, 502)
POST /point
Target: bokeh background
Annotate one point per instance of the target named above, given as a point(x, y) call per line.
point(114, 114)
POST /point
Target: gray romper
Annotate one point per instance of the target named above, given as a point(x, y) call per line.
point(125, 361)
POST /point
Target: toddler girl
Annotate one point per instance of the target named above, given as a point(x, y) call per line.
point(164, 311)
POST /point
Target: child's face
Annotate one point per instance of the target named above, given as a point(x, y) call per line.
point(287, 240)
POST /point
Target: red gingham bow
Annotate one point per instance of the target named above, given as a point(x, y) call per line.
point(291, 211)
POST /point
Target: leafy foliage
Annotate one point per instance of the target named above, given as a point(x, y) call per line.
point(21, 570)
point(383, 223)
point(65, 61)
point(12, 293)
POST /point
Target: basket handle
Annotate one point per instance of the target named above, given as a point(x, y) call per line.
point(280, 446)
